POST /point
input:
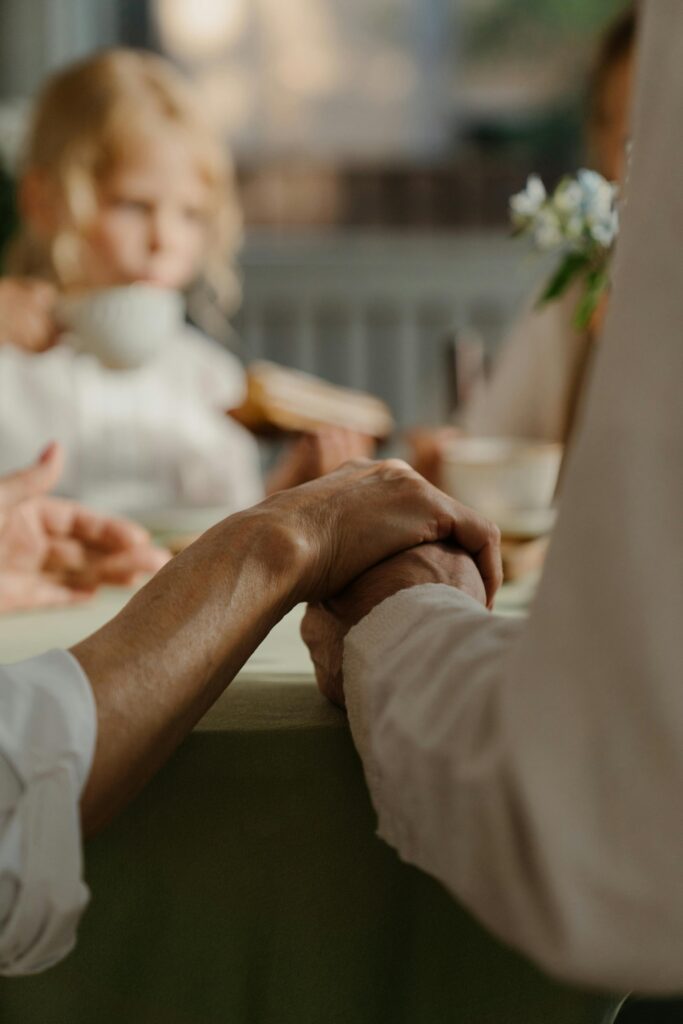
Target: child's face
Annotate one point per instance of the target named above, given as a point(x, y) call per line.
point(152, 220)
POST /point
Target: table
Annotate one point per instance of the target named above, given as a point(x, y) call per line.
point(246, 885)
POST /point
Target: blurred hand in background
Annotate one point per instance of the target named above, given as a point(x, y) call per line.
point(56, 552)
point(26, 313)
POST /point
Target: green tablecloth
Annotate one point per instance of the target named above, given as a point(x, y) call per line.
point(246, 886)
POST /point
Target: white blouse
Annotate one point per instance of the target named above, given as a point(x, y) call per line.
point(47, 741)
point(154, 437)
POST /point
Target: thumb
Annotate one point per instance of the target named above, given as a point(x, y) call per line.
point(37, 479)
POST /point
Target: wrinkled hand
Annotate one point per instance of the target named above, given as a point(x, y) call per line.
point(316, 454)
point(54, 551)
point(350, 520)
point(325, 625)
point(26, 313)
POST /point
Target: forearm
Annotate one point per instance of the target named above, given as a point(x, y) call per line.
point(158, 666)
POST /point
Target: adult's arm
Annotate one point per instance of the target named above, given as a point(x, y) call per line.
point(96, 723)
point(536, 769)
point(158, 666)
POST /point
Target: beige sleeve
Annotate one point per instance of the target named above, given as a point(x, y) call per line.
point(538, 771)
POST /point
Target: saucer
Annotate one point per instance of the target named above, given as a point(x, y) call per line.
point(525, 524)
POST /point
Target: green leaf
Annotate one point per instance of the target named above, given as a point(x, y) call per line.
point(596, 283)
point(571, 266)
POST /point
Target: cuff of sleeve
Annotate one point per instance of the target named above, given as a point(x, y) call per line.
point(58, 720)
point(369, 642)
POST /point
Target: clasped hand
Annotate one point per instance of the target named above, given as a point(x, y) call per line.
point(466, 556)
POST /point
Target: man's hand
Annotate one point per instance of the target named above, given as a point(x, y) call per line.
point(325, 625)
point(337, 527)
point(54, 551)
point(26, 313)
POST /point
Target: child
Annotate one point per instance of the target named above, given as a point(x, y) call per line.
point(124, 184)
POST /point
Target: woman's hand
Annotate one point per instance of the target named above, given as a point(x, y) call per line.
point(316, 454)
point(54, 551)
point(26, 313)
point(337, 527)
point(326, 624)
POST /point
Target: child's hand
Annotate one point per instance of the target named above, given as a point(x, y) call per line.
point(26, 318)
point(317, 454)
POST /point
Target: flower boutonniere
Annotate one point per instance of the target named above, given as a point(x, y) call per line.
point(579, 221)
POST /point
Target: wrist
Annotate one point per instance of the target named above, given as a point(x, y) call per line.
point(209, 606)
point(286, 550)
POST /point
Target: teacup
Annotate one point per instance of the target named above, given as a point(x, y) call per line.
point(504, 479)
point(124, 327)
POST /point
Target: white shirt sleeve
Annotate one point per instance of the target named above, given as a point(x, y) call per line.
point(536, 768)
point(47, 741)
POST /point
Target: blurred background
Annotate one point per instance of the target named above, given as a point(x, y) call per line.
point(376, 144)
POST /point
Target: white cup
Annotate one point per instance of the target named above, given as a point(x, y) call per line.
point(124, 327)
point(501, 477)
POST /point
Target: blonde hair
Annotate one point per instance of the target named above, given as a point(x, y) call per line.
point(81, 128)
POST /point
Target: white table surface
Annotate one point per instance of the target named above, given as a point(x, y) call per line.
point(274, 689)
point(24, 634)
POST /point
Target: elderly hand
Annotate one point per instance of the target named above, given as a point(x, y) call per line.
point(337, 527)
point(26, 318)
point(325, 625)
point(54, 551)
point(174, 648)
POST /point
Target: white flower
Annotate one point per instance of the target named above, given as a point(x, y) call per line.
point(526, 204)
point(574, 228)
point(568, 198)
point(547, 230)
point(598, 195)
point(605, 231)
point(579, 216)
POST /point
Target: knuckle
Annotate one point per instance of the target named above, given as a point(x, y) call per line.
point(494, 533)
point(492, 529)
point(397, 466)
